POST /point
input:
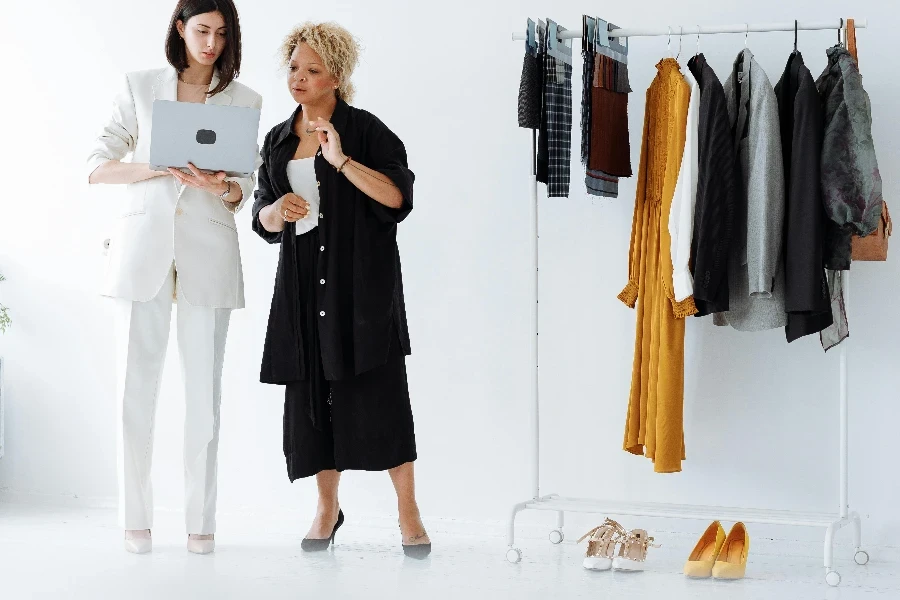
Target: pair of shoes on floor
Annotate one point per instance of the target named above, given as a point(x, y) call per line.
point(196, 544)
point(418, 551)
point(605, 539)
point(719, 556)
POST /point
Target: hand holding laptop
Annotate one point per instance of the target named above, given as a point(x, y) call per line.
point(212, 183)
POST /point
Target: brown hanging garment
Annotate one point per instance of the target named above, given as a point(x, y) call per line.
point(875, 245)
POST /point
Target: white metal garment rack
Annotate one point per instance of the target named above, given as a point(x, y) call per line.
point(561, 505)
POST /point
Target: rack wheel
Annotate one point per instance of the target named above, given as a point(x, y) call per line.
point(861, 557)
point(514, 555)
point(833, 578)
point(557, 537)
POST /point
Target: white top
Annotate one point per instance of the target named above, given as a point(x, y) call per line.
point(681, 217)
point(302, 177)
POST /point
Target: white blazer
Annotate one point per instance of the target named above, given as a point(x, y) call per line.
point(161, 221)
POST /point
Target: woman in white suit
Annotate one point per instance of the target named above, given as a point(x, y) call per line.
point(175, 241)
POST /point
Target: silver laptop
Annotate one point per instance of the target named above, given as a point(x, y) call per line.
point(210, 136)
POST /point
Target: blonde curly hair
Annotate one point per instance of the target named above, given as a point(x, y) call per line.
point(337, 47)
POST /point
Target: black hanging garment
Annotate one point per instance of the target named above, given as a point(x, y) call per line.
point(530, 91)
point(587, 78)
point(800, 114)
point(718, 193)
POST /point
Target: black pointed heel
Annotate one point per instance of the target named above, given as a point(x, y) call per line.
point(318, 545)
point(417, 551)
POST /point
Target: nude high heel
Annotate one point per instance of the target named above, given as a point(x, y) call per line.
point(602, 541)
point(138, 545)
point(633, 551)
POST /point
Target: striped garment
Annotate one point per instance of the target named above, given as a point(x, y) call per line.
point(601, 184)
point(587, 76)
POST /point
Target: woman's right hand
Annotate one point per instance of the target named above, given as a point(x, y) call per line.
point(292, 208)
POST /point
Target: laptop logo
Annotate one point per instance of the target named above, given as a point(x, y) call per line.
point(206, 137)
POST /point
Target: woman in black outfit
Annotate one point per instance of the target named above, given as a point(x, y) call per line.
point(333, 186)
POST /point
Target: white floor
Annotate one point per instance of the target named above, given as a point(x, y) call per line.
point(74, 554)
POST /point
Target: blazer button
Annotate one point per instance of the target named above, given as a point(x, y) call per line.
point(179, 212)
point(322, 281)
point(321, 248)
point(318, 184)
point(322, 314)
point(321, 216)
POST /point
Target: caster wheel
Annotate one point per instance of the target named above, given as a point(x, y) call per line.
point(833, 578)
point(557, 537)
point(514, 555)
point(861, 557)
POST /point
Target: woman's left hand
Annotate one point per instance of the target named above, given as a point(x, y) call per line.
point(214, 184)
point(330, 142)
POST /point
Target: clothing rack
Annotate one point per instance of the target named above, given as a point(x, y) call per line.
point(833, 522)
point(678, 30)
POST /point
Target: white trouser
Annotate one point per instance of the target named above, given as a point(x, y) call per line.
point(142, 334)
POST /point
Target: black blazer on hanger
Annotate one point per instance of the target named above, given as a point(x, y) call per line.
point(801, 116)
point(718, 194)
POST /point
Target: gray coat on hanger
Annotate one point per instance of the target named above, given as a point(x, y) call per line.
point(756, 265)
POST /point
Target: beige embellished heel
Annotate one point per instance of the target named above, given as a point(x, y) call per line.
point(633, 551)
point(602, 541)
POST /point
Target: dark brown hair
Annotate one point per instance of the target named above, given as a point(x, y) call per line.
point(229, 64)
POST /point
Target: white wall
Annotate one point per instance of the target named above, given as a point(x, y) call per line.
point(761, 416)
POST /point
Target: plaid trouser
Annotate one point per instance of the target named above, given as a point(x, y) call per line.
point(558, 115)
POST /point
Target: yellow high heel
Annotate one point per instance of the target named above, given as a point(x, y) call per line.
point(732, 560)
point(700, 563)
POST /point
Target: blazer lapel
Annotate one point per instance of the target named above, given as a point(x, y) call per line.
point(166, 87)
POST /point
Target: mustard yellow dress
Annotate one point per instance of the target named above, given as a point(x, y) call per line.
point(654, 426)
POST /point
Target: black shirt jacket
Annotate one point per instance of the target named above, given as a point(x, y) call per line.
point(361, 297)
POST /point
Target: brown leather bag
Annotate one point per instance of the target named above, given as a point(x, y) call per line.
point(875, 245)
point(850, 37)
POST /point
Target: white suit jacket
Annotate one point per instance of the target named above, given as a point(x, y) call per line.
point(161, 221)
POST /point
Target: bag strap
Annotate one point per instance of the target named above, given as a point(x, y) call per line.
point(851, 40)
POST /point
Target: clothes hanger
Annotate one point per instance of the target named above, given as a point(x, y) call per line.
point(669, 43)
point(680, 36)
point(698, 41)
point(747, 36)
point(795, 36)
point(840, 43)
point(531, 38)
